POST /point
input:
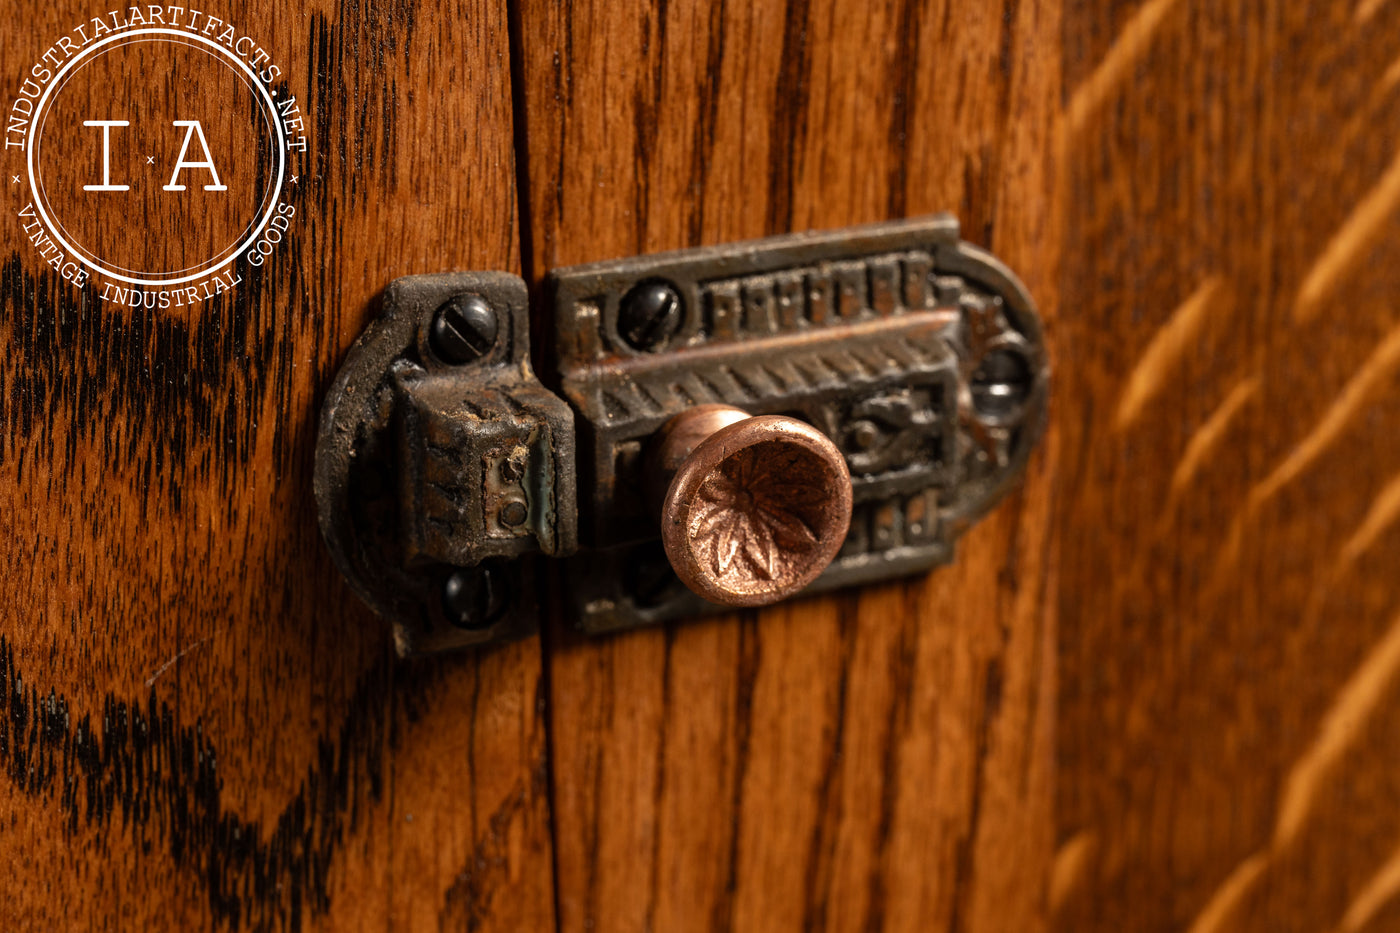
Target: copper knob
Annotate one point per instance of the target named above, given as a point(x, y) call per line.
point(752, 508)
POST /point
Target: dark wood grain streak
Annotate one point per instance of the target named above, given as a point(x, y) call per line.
point(817, 877)
point(790, 98)
point(871, 761)
point(134, 770)
point(210, 734)
point(903, 79)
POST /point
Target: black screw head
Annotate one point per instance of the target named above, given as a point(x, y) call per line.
point(463, 330)
point(475, 598)
point(650, 314)
point(514, 513)
point(1001, 383)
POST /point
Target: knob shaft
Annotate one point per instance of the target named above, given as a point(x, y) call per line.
point(752, 508)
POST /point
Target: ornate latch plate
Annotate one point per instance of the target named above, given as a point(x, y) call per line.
point(454, 486)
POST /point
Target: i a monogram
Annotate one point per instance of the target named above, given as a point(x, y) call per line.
point(192, 130)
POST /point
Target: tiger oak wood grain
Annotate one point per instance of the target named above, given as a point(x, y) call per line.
point(879, 760)
point(1227, 540)
point(202, 727)
point(1157, 691)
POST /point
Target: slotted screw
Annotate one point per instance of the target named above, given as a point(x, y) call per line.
point(650, 314)
point(1001, 383)
point(463, 330)
point(476, 598)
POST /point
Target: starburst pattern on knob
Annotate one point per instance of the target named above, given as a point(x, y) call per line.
point(757, 510)
point(748, 521)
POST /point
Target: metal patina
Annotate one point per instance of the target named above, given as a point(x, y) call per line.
point(878, 390)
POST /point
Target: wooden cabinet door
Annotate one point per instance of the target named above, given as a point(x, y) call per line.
point(203, 729)
point(1225, 531)
point(1156, 691)
point(878, 759)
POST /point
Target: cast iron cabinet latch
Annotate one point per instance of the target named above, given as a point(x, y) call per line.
point(719, 426)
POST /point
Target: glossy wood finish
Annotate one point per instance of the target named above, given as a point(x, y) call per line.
point(1227, 505)
point(879, 760)
point(1156, 692)
point(202, 728)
